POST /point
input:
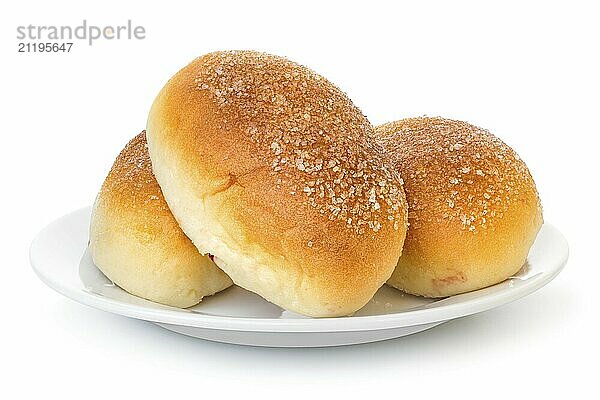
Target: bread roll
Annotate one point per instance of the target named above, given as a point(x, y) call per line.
point(474, 211)
point(272, 169)
point(136, 242)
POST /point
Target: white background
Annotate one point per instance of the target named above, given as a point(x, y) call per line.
point(528, 72)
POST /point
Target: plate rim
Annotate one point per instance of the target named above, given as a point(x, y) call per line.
point(331, 324)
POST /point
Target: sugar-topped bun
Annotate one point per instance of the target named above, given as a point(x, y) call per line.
point(272, 169)
point(474, 211)
point(136, 242)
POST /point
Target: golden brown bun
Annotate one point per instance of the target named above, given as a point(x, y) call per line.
point(474, 211)
point(136, 242)
point(272, 169)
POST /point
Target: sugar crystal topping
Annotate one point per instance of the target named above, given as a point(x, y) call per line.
point(455, 171)
point(131, 182)
point(317, 144)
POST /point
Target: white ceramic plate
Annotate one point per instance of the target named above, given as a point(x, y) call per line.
point(59, 257)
